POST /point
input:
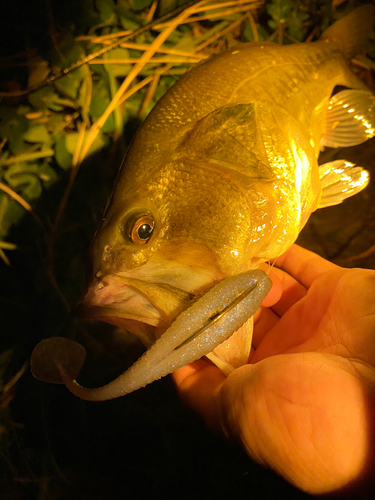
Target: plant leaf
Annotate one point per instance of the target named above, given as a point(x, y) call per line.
point(72, 139)
point(37, 133)
point(62, 155)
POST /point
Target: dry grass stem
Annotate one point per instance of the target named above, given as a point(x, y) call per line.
point(21, 201)
point(145, 82)
point(221, 5)
point(4, 257)
point(151, 12)
point(162, 50)
point(363, 62)
point(146, 56)
point(81, 136)
point(312, 34)
point(221, 33)
point(45, 153)
point(150, 92)
point(212, 16)
point(156, 60)
point(253, 26)
point(8, 386)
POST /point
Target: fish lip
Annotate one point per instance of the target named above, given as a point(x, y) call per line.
point(119, 301)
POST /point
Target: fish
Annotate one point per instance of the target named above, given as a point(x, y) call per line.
point(222, 176)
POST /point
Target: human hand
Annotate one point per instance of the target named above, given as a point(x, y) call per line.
point(305, 403)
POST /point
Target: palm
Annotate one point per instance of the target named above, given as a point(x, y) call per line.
point(336, 316)
point(304, 405)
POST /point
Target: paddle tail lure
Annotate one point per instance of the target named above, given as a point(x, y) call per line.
point(208, 322)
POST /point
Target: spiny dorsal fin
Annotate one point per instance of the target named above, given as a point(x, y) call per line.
point(352, 32)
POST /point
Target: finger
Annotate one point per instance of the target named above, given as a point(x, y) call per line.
point(266, 321)
point(275, 293)
point(303, 265)
point(292, 292)
point(198, 385)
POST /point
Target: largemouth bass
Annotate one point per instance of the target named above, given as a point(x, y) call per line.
point(223, 175)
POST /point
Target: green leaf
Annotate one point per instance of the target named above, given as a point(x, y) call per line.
point(10, 213)
point(248, 35)
point(12, 127)
point(99, 103)
point(137, 5)
point(23, 179)
point(129, 20)
point(37, 133)
point(38, 71)
point(69, 84)
point(42, 98)
point(105, 8)
point(47, 174)
point(118, 69)
point(295, 25)
point(62, 155)
point(72, 139)
point(166, 6)
point(69, 52)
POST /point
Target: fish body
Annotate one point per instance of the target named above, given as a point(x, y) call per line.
point(222, 176)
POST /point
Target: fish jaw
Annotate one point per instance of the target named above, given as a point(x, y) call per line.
point(145, 309)
point(145, 299)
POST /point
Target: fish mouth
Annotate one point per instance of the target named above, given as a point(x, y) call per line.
point(142, 308)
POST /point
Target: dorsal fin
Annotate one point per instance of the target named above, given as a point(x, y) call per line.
point(351, 32)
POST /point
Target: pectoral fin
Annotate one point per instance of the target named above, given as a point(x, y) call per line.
point(340, 179)
point(350, 118)
point(235, 351)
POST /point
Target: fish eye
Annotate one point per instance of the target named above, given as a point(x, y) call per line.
point(140, 228)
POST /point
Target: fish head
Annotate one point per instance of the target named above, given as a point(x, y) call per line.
point(185, 213)
point(176, 234)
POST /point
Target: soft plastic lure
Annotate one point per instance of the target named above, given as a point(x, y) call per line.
point(196, 332)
